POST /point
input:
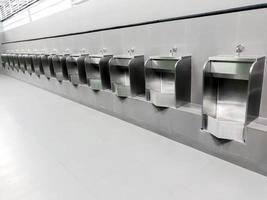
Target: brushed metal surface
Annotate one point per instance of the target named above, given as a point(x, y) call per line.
point(76, 68)
point(60, 67)
point(168, 80)
point(97, 71)
point(236, 68)
point(4, 60)
point(16, 62)
point(232, 100)
point(22, 62)
point(255, 89)
point(37, 64)
point(47, 65)
point(29, 63)
point(127, 75)
point(95, 84)
point(231, 95)
point(121, 89)
point(162, 99)
point(11, 61)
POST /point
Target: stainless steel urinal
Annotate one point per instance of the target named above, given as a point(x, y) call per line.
point(60, 66)
point(37, 64)
point(16, 61)
point(29, 63)
point(232, 87)
point(4, 59)
point(47, 65)
point(127, 75)
point(168, 80)
point(97, 71)
point(76, 68)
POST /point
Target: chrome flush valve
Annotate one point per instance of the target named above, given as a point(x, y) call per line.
point(44, 51)
point(83, 51)
point(239, 49)
point(103, 51)
point(131, 51)
point(173, 51)
point(67, 51)
point(54, 51)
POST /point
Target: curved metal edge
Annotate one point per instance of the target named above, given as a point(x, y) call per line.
point(104, 71)
point(81, 69)
point(255, 83)
point(147, 63)
point(203, 124)
point(183, 81)
point(137, 75)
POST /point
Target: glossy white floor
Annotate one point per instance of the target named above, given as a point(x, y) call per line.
point(52, 148)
